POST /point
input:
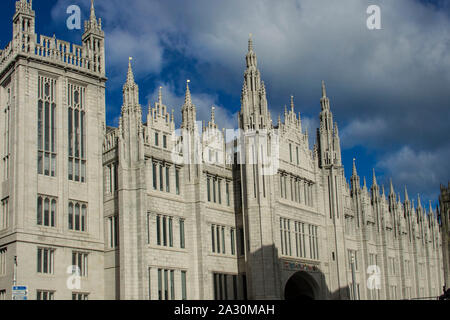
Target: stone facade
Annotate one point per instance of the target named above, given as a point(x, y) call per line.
point(444, 215)
point(147, 219)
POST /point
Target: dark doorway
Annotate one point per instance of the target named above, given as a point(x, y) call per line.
point(301, 286)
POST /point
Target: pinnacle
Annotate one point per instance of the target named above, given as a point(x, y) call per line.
point(160, 95)
point(374, 178)
point(130, 75)
point(187, 99)
point(93, 18)
point(354, 173)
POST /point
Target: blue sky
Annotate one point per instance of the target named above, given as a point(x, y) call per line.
point(389, 88)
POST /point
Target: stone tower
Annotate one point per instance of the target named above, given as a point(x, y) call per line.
point(444, 202)
point(52, 98)
point(257, 185)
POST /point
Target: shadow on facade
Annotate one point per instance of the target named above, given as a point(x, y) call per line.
point(293, 279)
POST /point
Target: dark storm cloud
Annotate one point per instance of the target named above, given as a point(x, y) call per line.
point(389, 88)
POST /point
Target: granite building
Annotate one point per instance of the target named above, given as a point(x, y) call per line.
point(150, 211)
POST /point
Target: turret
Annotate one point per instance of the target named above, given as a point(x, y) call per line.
point(188, 111)
point(328, 135)
point(94, 42)
point(24, 35)
point(254, 112)
point(355, 179)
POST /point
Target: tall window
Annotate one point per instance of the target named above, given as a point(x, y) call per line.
point(300, 239)
point(166, 284)
point(45, 295)
point(208, 187)
point(177, 180)
point(5, 144)
point(80, 260)
point(46, 211)
point(219, 191)
point(77, 216)
point(314, 242)
point(4, 219)
point(46, 126)
point(220, 284)
point(183, 285)
point(45, 260)
point(80, 296)
point(156, 139)
point(167, 179)
point(3, 261)
point(233, 241)
point(290, 152)
point(227, 191)
point(77, 133)
point(182, 244)
point(161, 181)
point(218, 239)
point(164, 231)
point(285, 233)
point(155, 184)
point(113, 227)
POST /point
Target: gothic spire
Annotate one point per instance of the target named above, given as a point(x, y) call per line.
point(354, 172)
point(213, 116)
point(187, 97)
point(92, 17)
point(292, 104)
point(251, 56)
point(130, 88)
point(391, 187)
point(188, 111)
point(130, 75)
point(406, 195)
point(160, 96)
point(374, 177)
point(324, 101)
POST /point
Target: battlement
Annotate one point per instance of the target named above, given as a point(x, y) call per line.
point(54, 51)
point(88, 57)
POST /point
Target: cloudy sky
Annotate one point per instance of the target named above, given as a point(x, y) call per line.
point(389, 88)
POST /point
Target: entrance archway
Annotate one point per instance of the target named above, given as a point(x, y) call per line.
point(301, 286)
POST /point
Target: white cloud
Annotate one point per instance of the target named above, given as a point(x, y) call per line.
point(360, 132)
point(418, 170)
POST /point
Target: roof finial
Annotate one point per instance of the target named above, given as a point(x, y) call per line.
point(355, 173)
point(130, 76)
point(292, 103)
point(93, 18)
point(391, 187)
point(213, 117)
point(160, 96)
point(374, 179)
point(250, 43)
point(324, 90)
point(187, 99)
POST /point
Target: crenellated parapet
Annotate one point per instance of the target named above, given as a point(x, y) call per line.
point(88, 57)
